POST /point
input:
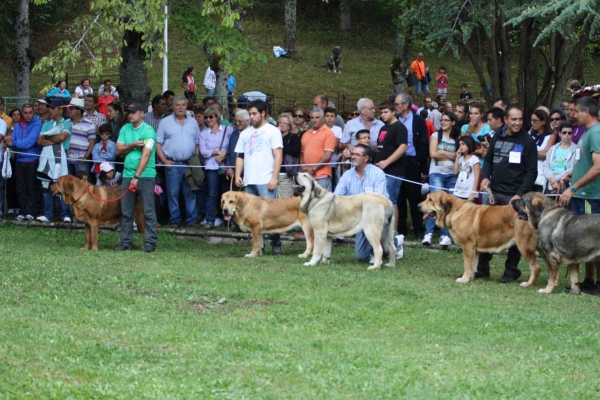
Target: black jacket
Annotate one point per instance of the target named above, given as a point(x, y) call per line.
point(515, 177)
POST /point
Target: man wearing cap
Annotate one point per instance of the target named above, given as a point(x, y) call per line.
point(53, 160)
point(82, 140)
point(137, 143)
point(41, 110)
point(24, 140)
point(435, 116)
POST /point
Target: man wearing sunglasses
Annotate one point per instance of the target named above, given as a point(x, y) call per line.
point(366, 120)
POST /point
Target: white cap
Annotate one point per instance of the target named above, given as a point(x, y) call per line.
point(106, 167)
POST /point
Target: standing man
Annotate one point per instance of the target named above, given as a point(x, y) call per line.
point(24, 140)
point(241, 121)
point(462, 113)
point(317, 147)
point(176, 137)
point(260, 152)
point(585, 185)
point(321, 101)
point(417, 153)
point(435, 116)
point(82, 141)
point(43, 113)
point(159, 106)
point(418, 67)
point(52, 138)
point(511, 165)
point(91, 102)
point(389, 154)
point(364, 177)
point(366, 120)
point(578, 129)
point(137, 143)
point(426, 106)
point(210, 82)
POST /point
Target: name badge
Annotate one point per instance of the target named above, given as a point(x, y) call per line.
point(514, 157)
point(368, 190)
point(577, 154)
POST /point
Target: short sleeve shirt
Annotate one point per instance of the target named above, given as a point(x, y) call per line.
point(129, 134)
point(390, 138)
point(587, 146)
point(314, 146)
point(257, 145)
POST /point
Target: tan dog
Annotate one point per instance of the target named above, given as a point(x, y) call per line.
point(481, 229)
point(93, 212)
point(259, 215)
point(331, 216)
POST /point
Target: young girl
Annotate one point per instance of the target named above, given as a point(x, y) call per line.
point(188, 85)
point(104, 150)
point(442, 82)
point(468, 169)
point(108, 176)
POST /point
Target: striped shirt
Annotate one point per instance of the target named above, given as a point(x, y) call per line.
point(82, 133)
point(96, 118)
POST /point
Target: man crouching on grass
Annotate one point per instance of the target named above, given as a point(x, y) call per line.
point(137, 143)
point(365, 178)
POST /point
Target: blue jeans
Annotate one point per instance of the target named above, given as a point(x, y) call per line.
point(210, 92)
point(392, 186)
point(65, 210)
point(363, 251)
point(212, 188)
point(175, 177)
point(420, 87)
point(439, 181)
point(2, 190)
point(578, 205)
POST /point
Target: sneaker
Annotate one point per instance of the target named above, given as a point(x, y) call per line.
point(218, 222)
point(20, 217)
point(148, 249)
point(11, 211)
point(506, 278)
point(427, 239)
point(67, 219)
point(277, 250)
point(29, 217)
point(204, 222)
point(445, 241)
point(399, 239)
point(174, 225)
point(123, 248)
point(42, 218)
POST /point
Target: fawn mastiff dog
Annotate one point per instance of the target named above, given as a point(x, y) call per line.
point(331, 216)
point(260, 215)
point(481, 229)
point(565, 237)
point(91, 211)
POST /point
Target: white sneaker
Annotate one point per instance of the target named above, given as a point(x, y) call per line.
point(29, 217)
point(11, 211)
point(204, 222)
point(445, 241)
point(427, 239)
point(399, 239)
point(20, 217)
point(218, 222)
point(42, 218)
point(67, 219)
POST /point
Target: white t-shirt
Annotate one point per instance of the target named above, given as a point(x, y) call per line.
point(82, 92)
point(337, 132)
point(3, 130)
point(258, 144)
point(466, 177)
point(444, 167)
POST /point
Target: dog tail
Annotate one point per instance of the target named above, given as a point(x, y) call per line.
point(387, 233)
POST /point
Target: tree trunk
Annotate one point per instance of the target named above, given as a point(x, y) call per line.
point(134, 76)
point(289, 40)
point(21, 64)
point(503, 46)
point(528, 67)
point(221, 91)
point(345, 17)
point(478, 71)
point(400, 65)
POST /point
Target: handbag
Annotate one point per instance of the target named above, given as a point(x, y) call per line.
point(221, 171)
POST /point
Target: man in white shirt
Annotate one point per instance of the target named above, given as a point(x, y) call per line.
point(210, 81)
point(260, 153)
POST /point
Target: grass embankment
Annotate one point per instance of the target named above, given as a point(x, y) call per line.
point(201, 321)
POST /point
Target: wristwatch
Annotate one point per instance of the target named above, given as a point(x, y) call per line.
point(136, 177)
point(314, 169)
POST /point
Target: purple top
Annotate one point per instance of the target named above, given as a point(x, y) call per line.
point(210, 142)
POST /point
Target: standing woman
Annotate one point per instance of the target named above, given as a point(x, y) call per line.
point(60, 91)
point(188, 85)
point(116, 119)
point(300, 122)
point(560, 160)
point(15, 114)
point(557, 117)
point(442, 150)
point(291, 152)
point(545, 138)
point(212, 146)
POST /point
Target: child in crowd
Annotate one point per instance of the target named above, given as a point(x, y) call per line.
point(468, 169)
point(464, 95)
point(363, 136)
point(108, 176)
point(104, 150)
point(442, 81)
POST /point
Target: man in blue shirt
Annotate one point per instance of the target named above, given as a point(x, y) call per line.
point(364, 177)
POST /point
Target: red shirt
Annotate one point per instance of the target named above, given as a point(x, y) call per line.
point(430, 127)
point(103, 103)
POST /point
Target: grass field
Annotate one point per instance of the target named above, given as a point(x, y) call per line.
point(201, 321)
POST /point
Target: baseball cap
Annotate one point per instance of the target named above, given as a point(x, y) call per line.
point(135, 107)
point(106, 167)
point(42, 100)
point(56, 103)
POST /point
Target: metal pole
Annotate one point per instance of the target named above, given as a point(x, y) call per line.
point(165, 60)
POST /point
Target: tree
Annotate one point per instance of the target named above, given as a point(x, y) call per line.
point(21, 64)
point(345, 16)
point(289, 39)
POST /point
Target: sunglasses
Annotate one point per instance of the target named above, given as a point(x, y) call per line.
point(299, 116)
point(566, 133)
point(209, 117)
point(556, 119)
point(357, 155)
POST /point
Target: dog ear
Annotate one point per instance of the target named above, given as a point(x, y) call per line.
point(68, 187)
point(446, 202)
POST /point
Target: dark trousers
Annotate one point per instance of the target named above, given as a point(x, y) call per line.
point(28, 186)
point(511, 266)
point(146, 193)
point(412, 193)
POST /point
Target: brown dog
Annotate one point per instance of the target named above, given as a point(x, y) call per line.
point(260, 215)
point(482, 229)
point(93, 212)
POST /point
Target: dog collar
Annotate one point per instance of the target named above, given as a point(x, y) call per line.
point(83, 194)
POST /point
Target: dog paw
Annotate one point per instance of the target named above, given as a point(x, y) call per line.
point(308, 264)
point(251, 255)
point(303, 255)
point(525, 284)
point(83, 248)
point(575, 290)
point(374, 267)
point(462, 280)
point(390, 265)
point(325, 261)
point(545, 291)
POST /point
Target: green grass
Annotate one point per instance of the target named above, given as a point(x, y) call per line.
point(201, 321)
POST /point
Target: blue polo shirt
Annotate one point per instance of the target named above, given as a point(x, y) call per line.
point(178, 140)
